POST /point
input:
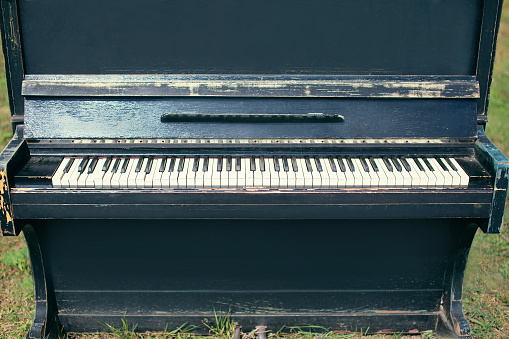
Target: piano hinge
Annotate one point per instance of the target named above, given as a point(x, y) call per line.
point(482, 119)
point(16, 119)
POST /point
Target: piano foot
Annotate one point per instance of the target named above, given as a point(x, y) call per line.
point(45, 324)
point(452, 322)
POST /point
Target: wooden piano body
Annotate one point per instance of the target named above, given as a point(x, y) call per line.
point(393, 88)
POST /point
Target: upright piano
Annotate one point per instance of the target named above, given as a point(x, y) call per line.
point(279, 163)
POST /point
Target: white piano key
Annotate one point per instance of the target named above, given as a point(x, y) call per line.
point(348, 174)
point(342, 179)
point(182, 175)
point(149, 177)
point(177, 178)
point(140, 176)
point(439, 173)
point(356, 173)
point(232, 173)
point(374, 177)
point(248, 172)
point(415, 178)
point(366, 179)
point(190, 174)
point(225, 175)
point(56, 180)
point(407, 177)
point(307, 177)
point(419, 178)
point(106, 182)
point(317, 178)
point(333, 176)
point(66, 179)
point(456, 178)
point(324, 175)
point(391, 177)
point(241, 175)
point(98, 174)
point(115, 177)
point(398, 175)
point(82, 179)
point(216, 176)
point(299, 175)
point(383, 176)
point(266, 172)
point(463, 175)
point(432, 179)
point(131, 180)
point(200, 175)
point(124, 177)
point(448, 175)
point(257, 175)
point(156, 173)
point(283, 175)
point(274, 175)
point(208, 174)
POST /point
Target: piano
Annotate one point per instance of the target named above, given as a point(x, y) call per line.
point(278, 163)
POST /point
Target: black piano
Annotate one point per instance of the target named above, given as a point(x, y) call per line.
point(280, 163)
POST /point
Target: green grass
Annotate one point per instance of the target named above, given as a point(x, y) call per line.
point(486, 288)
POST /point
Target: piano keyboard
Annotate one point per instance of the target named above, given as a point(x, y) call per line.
point(230, 172)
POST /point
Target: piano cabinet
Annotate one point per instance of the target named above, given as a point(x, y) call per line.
point(323, 162)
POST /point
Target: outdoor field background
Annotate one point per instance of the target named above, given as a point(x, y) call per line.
point(486, 287)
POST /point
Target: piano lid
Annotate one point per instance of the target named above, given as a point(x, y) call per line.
point(61, 48)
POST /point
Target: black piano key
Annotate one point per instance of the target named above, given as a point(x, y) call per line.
point(124, 165)
point(373, 164)
point(68, 166)
point(92, 165)
point(171, 168)
point(350, 164)
point(229, 163)
point(262, 164)
point(419, 165)
point(139, 164)
point(116, 165)
point(253, 164)
point(396, 163)
point(219, 164)
point(238, 163)
point(82, 165)
point(180, 166)
point(442, 164)
point(341, 164)
point(196, 164)
point(426, 162)
point(318, 164)
point(205, 164)
point(163, 164)
point(295, 167)
point(332, 164)
point(148, 167)
point(276, 164)
point(308, 164)
point(106, 165)
point(364, 164)
point(286, 167)
point(451, 164)
point(405, 164)
point(388, 164)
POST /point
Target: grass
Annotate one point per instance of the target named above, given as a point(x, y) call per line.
point(486, 287)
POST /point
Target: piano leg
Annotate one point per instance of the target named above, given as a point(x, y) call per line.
point(45, 323)
point(452, 321)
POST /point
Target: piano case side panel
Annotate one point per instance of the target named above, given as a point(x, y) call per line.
point(346, 274)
